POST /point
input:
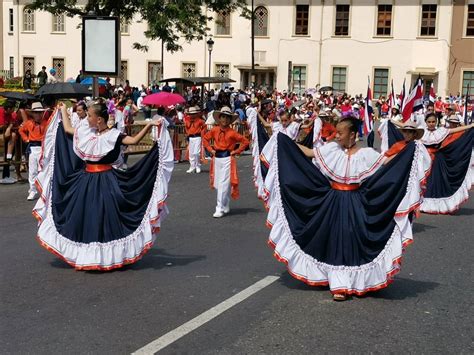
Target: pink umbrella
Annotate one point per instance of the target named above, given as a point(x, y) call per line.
point(163, 99)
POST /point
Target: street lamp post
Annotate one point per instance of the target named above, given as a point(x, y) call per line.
point(210, 46)
point(252, 35)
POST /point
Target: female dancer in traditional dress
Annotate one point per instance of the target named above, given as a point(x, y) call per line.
point(284, 125)
point(259, 136)
point(260, 140)
point(79, 114)
point(345, 222)
point(452, 174)
point(93, 216)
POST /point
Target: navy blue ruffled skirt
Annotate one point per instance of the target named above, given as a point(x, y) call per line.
point(107, 219)
point(451, 173)
point(347, 239)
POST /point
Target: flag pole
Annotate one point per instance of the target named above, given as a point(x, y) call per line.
point(466, 105)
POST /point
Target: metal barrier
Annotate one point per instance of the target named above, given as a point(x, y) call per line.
point(6, 74)
point(19, 149)
point(144, 145)
point(177, 134)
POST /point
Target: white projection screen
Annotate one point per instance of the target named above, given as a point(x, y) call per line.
point(100, 45)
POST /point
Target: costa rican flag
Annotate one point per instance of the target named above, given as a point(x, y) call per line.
point(401, 97)
point(432, 94)
point(369, 112)
point(414, 101)
point(467, 120)
point(391, 98)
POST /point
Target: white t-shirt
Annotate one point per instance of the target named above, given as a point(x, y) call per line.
point(139, 102)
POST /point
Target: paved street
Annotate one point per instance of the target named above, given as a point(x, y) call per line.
point(199, 262)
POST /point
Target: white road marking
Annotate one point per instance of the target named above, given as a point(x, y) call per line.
point(205, 317)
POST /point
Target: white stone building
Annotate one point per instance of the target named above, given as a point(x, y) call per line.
point(329, 42)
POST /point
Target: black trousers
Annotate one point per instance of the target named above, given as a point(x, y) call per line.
point(370, 139)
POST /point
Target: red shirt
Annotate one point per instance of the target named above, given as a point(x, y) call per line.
point(439, 106)
point(193, 126)
point(7, 118)
point(225, 139)
point(346, 108)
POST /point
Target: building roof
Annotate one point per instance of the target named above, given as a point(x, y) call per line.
point(199, 80)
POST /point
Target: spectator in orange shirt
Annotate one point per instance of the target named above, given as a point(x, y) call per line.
point(194, 126)
point(223, 172)
point(32, 132)
point(328, 131)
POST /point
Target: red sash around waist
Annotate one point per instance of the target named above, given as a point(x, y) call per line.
point(98, 168)
point(344, 187)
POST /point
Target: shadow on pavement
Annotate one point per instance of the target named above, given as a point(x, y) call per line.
point(153, 259)
point(464, 212)
point(403, 288)
point(419, 228)
point(243, 211)
point(400, 289)
point(290, 282)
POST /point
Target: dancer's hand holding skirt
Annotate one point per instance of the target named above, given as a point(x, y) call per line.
point(90, 215)
point(351, 238)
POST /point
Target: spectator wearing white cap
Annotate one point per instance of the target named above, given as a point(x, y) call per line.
point(194, 126)
point(143, 108)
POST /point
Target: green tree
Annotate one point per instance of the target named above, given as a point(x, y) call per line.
point(168, 20)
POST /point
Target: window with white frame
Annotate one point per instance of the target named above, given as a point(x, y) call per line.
point(123, 71)
point(124, 27)
point(384, 20)
point(302, 20)
point(428, 19)
point(380, 82)
point(342, 20)
point(299, 78)
point(223, 23)
point(189, 70)
point(470, 20)
point(29, 64)
point(154, 73)
point(58, 65)
point(12, 66)
point(10, 20)
point(222, 70)
point(339, 78)
point(28, 20)
point(58, 22)
point(468, 81)
point(261, 21)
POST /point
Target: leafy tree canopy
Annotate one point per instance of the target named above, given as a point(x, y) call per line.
point(168, 20)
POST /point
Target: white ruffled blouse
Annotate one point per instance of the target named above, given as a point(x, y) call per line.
point(434, 137)
point(90, 146)
point(338, 166)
